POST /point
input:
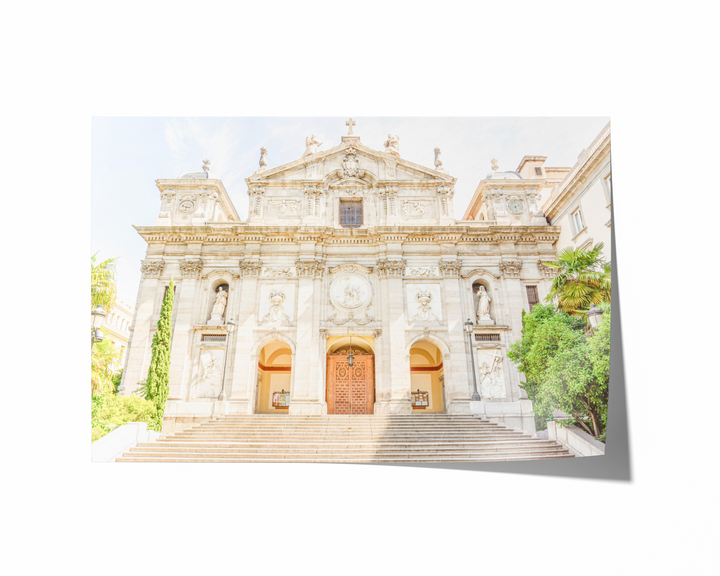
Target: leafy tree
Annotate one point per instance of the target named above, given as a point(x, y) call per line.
point(583, 279)
point(156, 387)
point(566, 368)
point(104, 363)
point(110, 411)
point(103, 291)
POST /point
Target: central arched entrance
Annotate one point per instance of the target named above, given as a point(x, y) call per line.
point(350, 389)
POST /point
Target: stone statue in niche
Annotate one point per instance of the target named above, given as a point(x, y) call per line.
point(311, 146)
point(392, 145)
point(216, 316)
point(492, 386)
point(276, 312)
point(210, 379)
point(483, 304)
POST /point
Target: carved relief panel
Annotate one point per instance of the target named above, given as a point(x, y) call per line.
point(350, 295)
point(424, 302)
point(208, 376)
point(277, 304)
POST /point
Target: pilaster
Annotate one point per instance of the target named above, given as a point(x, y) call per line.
point(139, 351)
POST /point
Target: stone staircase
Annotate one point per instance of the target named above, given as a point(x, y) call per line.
point(412, 438)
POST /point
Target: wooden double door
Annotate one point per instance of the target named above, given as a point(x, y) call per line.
point(350, 389)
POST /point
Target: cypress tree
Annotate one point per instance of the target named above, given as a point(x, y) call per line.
point(157, 384)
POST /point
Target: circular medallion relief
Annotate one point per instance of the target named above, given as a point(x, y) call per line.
point(350, 291)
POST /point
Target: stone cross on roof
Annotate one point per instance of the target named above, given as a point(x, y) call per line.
point(206, 165)
point(350, 123)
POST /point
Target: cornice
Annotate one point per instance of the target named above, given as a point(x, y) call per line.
point(455, 234)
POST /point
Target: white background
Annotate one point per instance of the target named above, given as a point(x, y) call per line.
point(651, 68)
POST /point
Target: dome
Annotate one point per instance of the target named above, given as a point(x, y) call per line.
point(503, 176)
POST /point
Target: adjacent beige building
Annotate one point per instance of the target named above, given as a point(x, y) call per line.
point(117, 326)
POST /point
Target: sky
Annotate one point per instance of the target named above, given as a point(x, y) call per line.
point(129, 154)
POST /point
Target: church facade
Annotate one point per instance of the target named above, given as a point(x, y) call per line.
point(350, 289)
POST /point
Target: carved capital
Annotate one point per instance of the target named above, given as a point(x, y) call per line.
point(191, 268)
point(511, 268)
point(152, 268)
point(391, 268)
point(250, 269)
point(310, 268)
point(377, 333)
point(445, 190)
point(450, 269)
point(257, 189)
point(547, 271)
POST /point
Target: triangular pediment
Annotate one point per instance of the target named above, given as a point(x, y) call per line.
point(347, 161)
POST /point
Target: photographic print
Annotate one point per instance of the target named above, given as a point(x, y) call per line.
point(349, 290)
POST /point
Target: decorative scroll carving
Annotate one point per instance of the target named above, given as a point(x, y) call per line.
point(360, 320)
point(275, 272)
point(418, 208)
point(425, 272)
point(250, 269)
point(310, 268)
point(283, 208)
point(191, 268)
point(256, 193)
point(547, 271)
point(152, 268)
point(450, 269)
point(391, 268)
point(511, 268)
point(350, 268)
point(445, 193)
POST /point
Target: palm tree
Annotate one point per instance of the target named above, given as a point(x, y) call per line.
point(583, 280)
point(102, 283)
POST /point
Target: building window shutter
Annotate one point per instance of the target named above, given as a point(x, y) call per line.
point(532, 295)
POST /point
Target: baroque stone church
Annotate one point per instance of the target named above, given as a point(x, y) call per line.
point(350, 289)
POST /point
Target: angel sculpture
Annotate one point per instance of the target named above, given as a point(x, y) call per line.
point(392, 145)
point(263, 159)
point(438, 162)
point(311, 146)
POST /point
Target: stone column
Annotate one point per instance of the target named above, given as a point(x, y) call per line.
point(139, 352)
point(243, 370)
point(397, 367)
point(183, 331)
point(306, 397)
point(510, 269)
point(458, 380)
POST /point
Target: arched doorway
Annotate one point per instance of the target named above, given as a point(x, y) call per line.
point(350, 389)
point(427, 388)
point(274, 379)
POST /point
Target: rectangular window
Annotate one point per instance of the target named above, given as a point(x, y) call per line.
point(576, 220)
point(532, 295)
point(487, 337)
point(538, 171)
point(351, 213)
point(607, 184)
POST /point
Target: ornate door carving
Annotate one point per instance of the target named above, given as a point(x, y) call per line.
point(350, 390)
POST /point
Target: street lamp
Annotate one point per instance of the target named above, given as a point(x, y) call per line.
point(594, 316)
point(230, 325)
point(98, 316)
point(469, 329)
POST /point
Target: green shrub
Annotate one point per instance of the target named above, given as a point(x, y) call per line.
point(110, 411)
